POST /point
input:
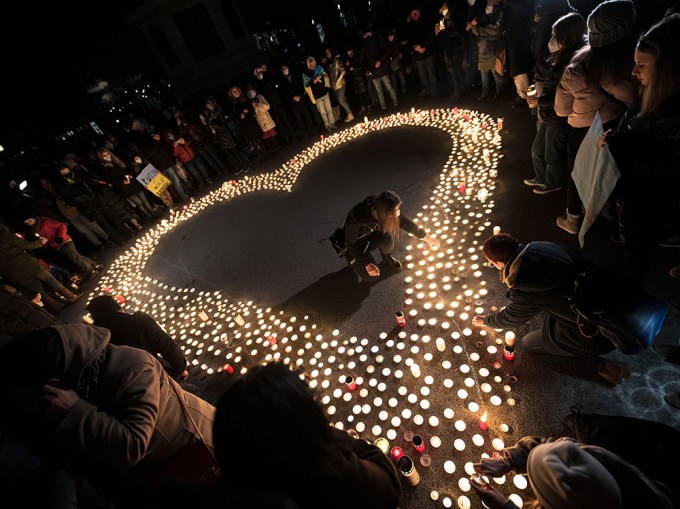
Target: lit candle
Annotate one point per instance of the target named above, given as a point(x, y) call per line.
point(483, 421)
point(415, 370)
point(496, 230)
point(401, 319)
point(418, 444)
point(382, 444)
point(396, 453)
point(351, 384)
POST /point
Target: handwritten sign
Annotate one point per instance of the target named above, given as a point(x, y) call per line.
point(153, 180)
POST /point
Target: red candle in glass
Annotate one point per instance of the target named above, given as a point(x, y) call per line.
point(272, 340)
point(228, 368)
point(462, 187)
point(508, 353)
point(351, 384)
point(401, 319)
point(484, 421)
point(396, 452)
point(418, 443)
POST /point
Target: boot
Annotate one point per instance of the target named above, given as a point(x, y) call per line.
point(70, 296)
point(570, 223)
point(136, 223)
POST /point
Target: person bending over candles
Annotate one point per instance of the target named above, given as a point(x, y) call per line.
point(272, 437)
point(375, 224)
point(540, 277)
point(565, 474)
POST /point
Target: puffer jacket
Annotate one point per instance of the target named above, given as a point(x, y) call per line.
point(578, 99)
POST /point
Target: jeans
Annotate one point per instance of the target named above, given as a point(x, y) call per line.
point(141, 202)
point(379, 83)
point(398, 79)
point(428, 74)
point(341, 95)
point(197, 170)
point(485, 82)
point(323, 104)
point(457, 76)
point(48, 279)
point(172, 175)
point(549, 154)
point(90, 230)
point(375, 240)
point(576, 136)
point(84, 264)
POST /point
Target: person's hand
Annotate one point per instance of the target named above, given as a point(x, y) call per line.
point(181, 141)
point(602, 140)
point(532, 101)
point(468, 26)
point(474, 22)
point(59, 399)
point(478, 321)
point(419, 48)
point(43, 240)
point(493, 467)
point(491, 497)
point(317, 79)
point(377, 64)
point(372, 270)
point(296, 98)
point(432, 241)
point(156, 137)
point(9, 289)
point(183, 376)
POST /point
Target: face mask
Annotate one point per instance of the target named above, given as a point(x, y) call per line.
point(553, 45)
point(251, 95)
point(285, 71)
point(106, 157)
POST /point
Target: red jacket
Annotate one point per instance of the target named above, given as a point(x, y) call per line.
point(51, 229)
point(183, 152)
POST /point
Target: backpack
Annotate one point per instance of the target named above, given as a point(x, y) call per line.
point(337, 240)
point(618, 308)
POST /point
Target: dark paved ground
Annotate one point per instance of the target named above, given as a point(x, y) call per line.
point(270, 248)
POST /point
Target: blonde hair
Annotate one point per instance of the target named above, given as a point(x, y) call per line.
point(662, 41)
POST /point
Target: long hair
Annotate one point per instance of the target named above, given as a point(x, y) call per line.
point(662, 41)
point(271, 435)
point(570, 31)
point(115, 160)
point(385, 205)
point(611, 63)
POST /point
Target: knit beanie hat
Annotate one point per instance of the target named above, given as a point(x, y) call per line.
point(565, 476)
point(610, 21)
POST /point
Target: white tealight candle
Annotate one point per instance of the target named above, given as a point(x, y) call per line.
point(449, 467)
point(473, 407)
point(478, 440)
point(459, 444)
point(520, 481)
point(448, 413)
point(498, 444)
point(418, 419)
point(464, 502)
point(460, 425)
point(415, 370)
point(433, 420)
point(464, 484)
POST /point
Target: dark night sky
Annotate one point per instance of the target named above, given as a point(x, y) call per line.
point(60, 49)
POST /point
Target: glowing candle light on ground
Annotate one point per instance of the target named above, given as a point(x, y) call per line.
point(484, 421)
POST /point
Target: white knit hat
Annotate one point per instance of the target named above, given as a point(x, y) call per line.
point(565, 476)
point(610, 22)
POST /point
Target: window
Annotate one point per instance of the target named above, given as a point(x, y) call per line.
point(163, 44)
point(232, 19)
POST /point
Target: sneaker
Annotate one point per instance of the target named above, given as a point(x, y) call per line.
point(570, 223)
point(349, 118)
point(542, 189)
point(396, 264)
point(532, 182)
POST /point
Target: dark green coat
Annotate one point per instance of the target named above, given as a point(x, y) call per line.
point(15, 263)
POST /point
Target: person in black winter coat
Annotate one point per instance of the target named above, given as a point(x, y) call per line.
point(422, 45)
point(19, 315)
point(540, 277)
point(138, 330)
point(375, 224)
point(376, 59)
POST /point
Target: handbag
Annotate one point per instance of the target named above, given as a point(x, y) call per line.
point(618, 308)
point(337, 240)
point(193, 464)
point(499, 64)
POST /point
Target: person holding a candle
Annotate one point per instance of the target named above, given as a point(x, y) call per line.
point(375, 223)
point(273, 437)
point(540, 277)
point(565, 474)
